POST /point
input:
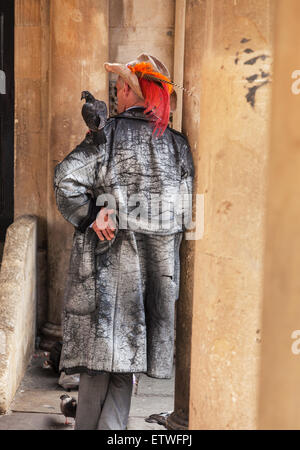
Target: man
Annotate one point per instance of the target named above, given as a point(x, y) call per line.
point(123, 278)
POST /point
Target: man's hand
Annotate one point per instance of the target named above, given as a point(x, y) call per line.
point(104, 225)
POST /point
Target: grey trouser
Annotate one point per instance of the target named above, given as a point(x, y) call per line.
point(103, 401)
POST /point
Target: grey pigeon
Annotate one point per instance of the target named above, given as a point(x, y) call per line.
point(68, 406)
point(94, 112)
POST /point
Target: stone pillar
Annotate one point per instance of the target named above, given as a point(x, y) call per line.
point(79, 47)
point(132, 32)
point(31, 127)
point(228, 57)
point(178, 420)
point(30, 156)
point(179, 36)
point(280, 359)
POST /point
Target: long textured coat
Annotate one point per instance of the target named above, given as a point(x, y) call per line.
point(120, 294)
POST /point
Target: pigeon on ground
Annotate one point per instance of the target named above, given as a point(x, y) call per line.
point(94, 112)
point(161, 418)
point(68, 406)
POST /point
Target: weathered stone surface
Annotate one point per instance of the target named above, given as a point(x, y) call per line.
point(280, 359)
point(34, 421)
point(39, 401)
point(17, 305)
point(27, 12)
point(131, 32)
point(227, 124)
point(142, 406)
point(31, 111)
point(36, 403)
point(79, 48)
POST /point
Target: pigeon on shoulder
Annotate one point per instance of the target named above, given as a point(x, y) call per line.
point(94, 113)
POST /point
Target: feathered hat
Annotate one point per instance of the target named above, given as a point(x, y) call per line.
point(150, 80)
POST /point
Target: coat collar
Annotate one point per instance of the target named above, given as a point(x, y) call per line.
point(134, 113)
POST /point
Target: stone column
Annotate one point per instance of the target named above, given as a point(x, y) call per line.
point(31, 128)
point(179, 37)
point(280, 359)
point(30, 156)
point(228, 57)
point(178, 420)
point(79, 47)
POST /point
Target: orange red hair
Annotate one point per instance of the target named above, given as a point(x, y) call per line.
point(156, 89)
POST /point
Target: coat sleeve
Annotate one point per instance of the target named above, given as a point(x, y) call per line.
point(186, 187)
point(74, 181)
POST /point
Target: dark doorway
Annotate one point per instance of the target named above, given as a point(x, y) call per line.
point(6, 115)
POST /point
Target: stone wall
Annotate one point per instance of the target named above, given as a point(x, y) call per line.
point(17, 305)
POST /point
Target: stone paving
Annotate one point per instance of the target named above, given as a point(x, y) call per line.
point(36, 405)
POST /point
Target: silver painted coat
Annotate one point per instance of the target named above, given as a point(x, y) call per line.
point(120, 294)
